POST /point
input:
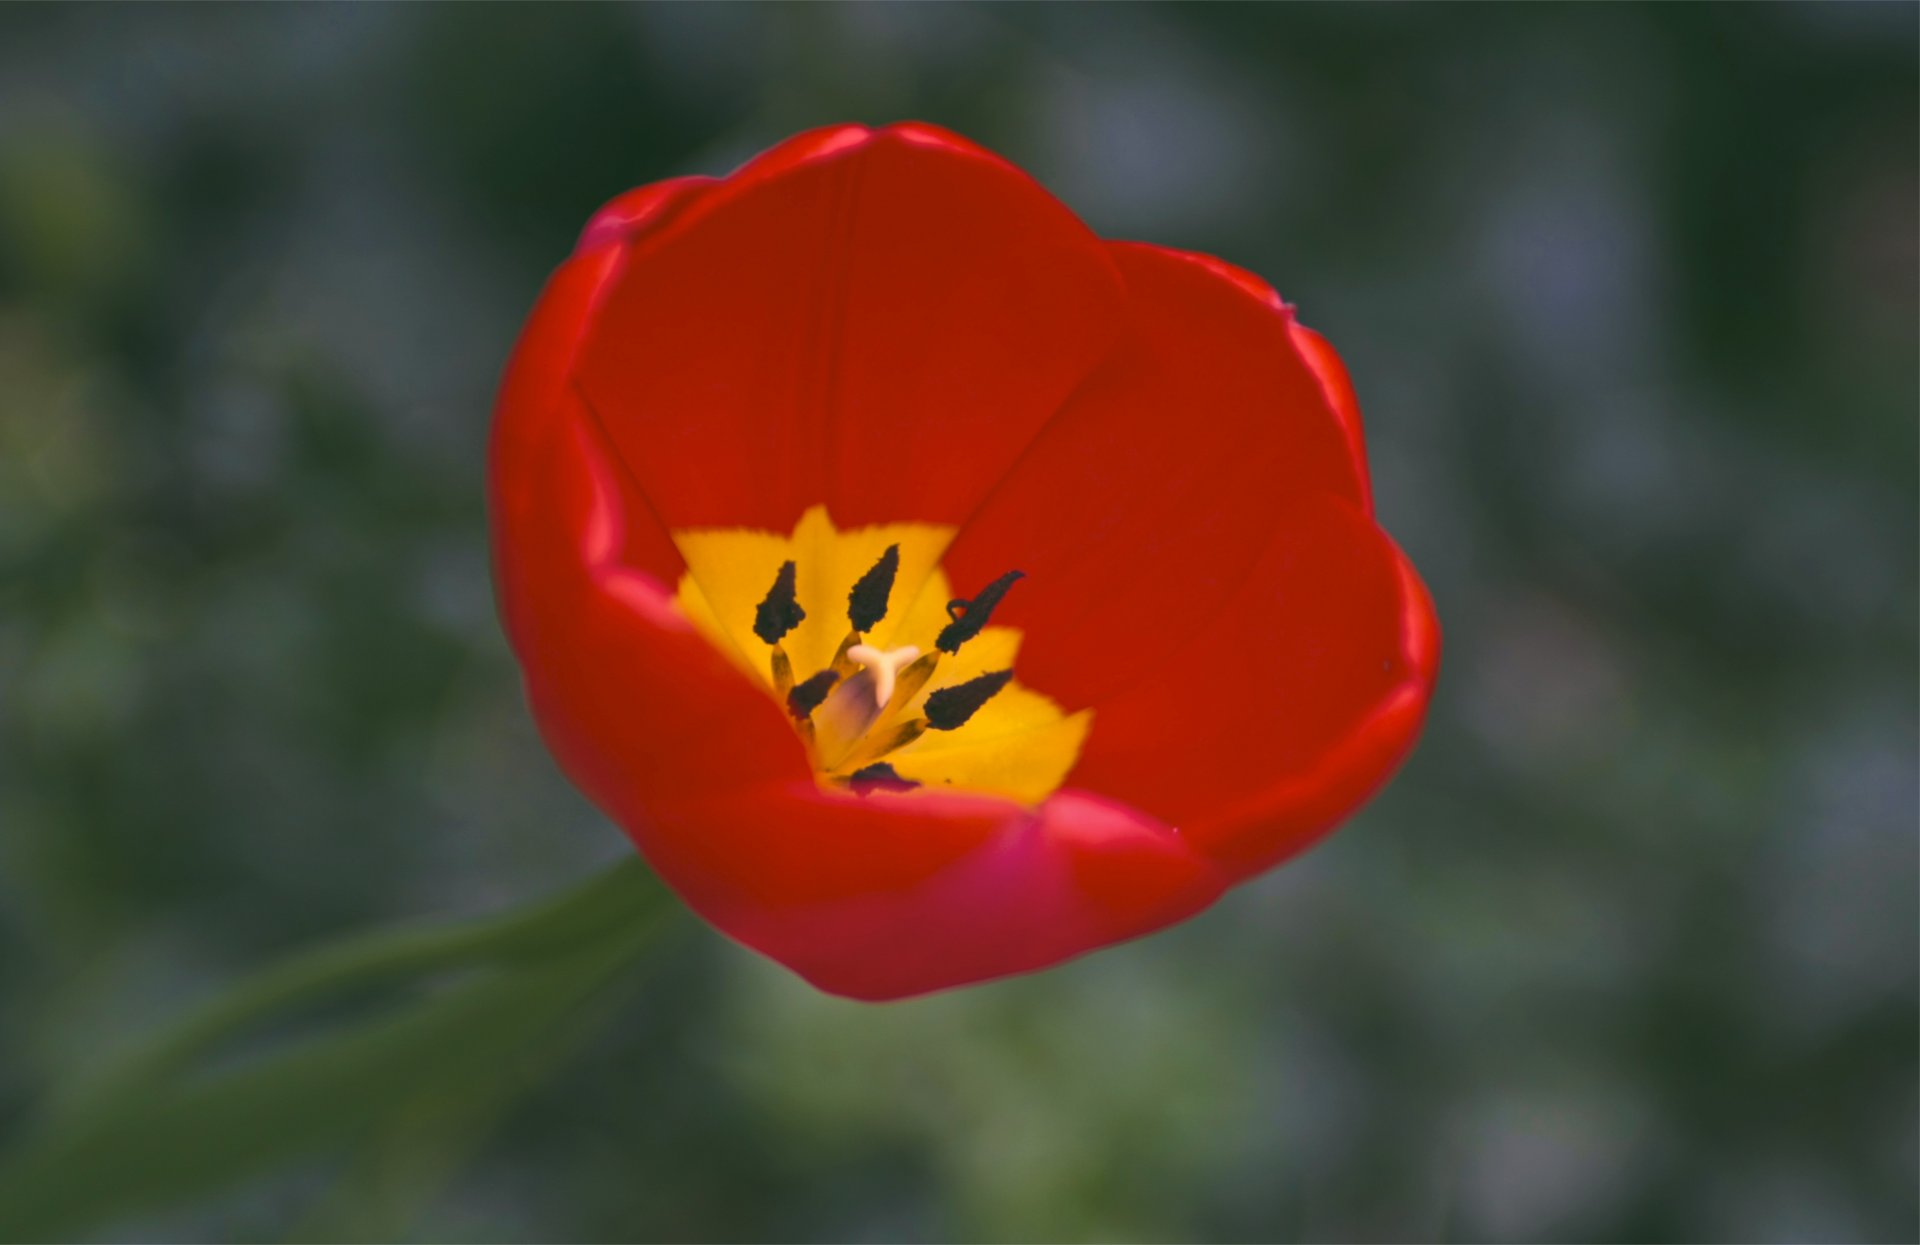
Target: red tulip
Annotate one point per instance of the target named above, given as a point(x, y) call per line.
point(765, 433)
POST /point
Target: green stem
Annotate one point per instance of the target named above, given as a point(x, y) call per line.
point(420, 1079)
point(618, 895)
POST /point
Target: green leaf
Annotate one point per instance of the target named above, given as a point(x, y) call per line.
point(392, 1173)
point(429, 1073)
point(616, 897)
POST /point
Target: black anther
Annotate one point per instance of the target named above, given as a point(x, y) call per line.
point(970, 616)
point(880, 776)
point(950, 707)
point(867, 603)
point(780, 612)
point(806, 697)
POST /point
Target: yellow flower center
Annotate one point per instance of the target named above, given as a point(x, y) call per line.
point(892, 682)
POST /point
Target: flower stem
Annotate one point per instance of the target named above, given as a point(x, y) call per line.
point(165, 1123)
point(621, 894)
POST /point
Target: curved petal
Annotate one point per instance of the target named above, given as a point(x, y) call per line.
point(1314, 350)
point(633, 215)
point(1338, 387)
point(1145, 500)
point(1038, 887)
point(876, 320)
point(536, 394)
point(1292, 704)
point(629, 696)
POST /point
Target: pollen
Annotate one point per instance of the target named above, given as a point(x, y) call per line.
point(895, 684)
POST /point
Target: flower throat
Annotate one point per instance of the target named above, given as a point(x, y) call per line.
point(892, 684)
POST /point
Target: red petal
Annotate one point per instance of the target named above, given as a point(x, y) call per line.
point(877, 320)
point(1148, 496)
point(635, 214)
point(1314, 350)
point(1338, 387)
point(629, 696)
point(835, 904)
point(637, 705)
point(1289, 706)
point(536, 395)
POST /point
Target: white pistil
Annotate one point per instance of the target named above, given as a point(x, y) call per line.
point(884, 666)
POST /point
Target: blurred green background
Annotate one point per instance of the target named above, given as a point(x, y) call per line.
point(1627, 951)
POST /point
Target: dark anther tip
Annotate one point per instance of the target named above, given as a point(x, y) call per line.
point(970, 617)
point(780, 612)
point(867, 603)
point(880, 777)
point(806, 697)
point(950, 707)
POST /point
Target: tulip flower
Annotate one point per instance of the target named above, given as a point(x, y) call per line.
point(931, 589)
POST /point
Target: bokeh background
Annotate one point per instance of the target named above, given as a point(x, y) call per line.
point(1628, 950)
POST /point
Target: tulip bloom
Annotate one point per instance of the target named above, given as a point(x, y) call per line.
point(933, 590)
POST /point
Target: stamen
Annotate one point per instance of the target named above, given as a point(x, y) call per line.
point(880, 776)
point(867, 603)
point(782, 671)
point(841, 664)
point(908, 682)
point(969, 617)
point(806, 697)
point(780, 612)
point(950, 707)
point(876, 746)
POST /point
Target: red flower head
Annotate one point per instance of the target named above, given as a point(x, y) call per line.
point(933, 590)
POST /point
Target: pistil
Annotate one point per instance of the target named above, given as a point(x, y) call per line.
point(885, 665)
